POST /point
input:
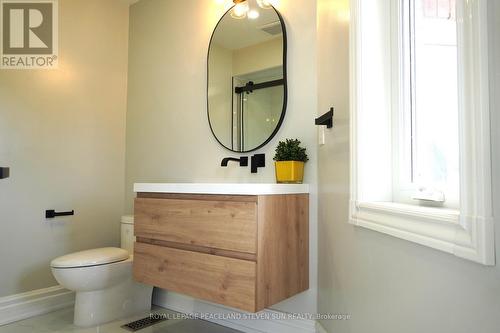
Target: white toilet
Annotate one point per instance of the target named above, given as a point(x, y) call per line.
point(102, 280)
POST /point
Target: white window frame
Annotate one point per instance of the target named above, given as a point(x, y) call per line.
point(468, 232)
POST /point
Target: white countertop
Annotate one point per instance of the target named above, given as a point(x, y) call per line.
point(222, 188)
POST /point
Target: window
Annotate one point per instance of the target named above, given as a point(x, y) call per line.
point(427, 130)
point(420, 123)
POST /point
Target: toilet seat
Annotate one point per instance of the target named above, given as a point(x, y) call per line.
point(89, 258)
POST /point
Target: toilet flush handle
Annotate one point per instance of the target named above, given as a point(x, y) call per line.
point(50, 214)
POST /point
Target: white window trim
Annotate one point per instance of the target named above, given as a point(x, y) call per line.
point(468, 233)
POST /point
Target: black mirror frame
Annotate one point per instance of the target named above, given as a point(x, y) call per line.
point(285, 86)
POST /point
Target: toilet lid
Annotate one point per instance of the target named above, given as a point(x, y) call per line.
point(94, 257)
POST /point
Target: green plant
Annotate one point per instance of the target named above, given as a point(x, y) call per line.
point(290, 150)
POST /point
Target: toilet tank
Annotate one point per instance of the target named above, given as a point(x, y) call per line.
point(127, 233)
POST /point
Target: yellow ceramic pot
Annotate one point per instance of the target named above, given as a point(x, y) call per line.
point(289, 172)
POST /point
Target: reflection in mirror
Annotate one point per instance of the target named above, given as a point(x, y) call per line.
point(247, 79)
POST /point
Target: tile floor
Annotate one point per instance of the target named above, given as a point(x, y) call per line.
point(61, 321)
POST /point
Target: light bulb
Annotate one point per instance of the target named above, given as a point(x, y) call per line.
point(253, 14)
point(240, 10)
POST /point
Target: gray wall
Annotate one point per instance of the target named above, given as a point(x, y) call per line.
point(168, 136)
point(388, 284)
point(62, 132)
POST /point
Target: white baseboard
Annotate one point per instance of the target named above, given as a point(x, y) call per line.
point(33, 303)
point(188, 305)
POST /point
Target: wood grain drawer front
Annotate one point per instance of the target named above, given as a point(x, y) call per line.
point(217, 279)
point(228, 225)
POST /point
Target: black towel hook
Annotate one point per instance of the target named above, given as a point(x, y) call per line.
point(326, 119)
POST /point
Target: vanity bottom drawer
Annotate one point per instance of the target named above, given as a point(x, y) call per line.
point(213, 278)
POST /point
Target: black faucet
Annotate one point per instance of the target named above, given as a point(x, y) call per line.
point(258, 161)
point(243, 161)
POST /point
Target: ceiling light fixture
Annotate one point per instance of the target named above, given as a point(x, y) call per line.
point(240, 9)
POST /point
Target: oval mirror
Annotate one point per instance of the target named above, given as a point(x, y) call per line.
point(247, 87)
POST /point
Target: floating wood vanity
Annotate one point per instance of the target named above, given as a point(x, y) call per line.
point(240, 245)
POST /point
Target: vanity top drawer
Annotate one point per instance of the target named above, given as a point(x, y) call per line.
point(214, 223)
point(213, 278)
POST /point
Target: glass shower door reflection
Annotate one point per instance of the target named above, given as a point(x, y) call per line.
point(260, 113)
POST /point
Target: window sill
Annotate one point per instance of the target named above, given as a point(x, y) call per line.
point(439, 228)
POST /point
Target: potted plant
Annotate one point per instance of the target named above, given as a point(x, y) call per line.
point(290, 158)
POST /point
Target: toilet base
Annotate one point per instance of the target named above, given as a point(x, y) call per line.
point(93, 308)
